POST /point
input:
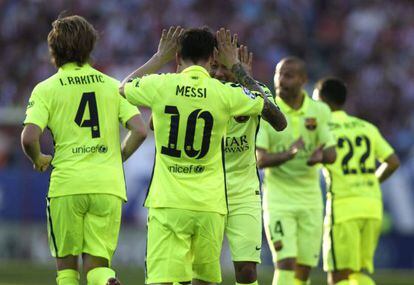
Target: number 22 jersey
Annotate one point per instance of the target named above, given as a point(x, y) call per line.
point(354, 190)
point(190, 111)
point(82, 108)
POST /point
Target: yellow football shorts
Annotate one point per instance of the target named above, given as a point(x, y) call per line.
point(84, 223)
point(244, 231)
point(182, 245)
point(299, 230)
point(351, 244)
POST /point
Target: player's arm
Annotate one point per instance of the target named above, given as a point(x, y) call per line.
point(167, 49)
point(385, 154)
point(30, 140)
point(227, 54)
point(322, 155)
point(267, 159)
point(387, 168)
point(135, 137)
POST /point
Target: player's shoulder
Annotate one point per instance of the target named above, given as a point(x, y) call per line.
point(370, 127)
point(226, 84)
point(107, 78)
point(319, 107)
point(160, 78)
point(46, 85)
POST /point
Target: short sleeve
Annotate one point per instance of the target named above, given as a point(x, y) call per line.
point(126, 111)
point(243, 102)
point(263, 139)
point(141, 91)
point(37, 111)
point(325, 135)
point(382, 148)
point(267, 91)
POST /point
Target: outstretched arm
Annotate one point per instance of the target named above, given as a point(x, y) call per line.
point(227, 54)
point(167, 49)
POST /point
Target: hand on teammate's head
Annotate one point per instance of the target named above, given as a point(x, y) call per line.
point(167, 47)
point(227, 52)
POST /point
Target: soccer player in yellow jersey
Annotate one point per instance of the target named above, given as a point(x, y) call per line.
point(292, 199)
point(242, 181)
point(354, 205)
point(82, 108)
point(190, 111)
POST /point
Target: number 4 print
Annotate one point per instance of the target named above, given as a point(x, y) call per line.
point(88, 98)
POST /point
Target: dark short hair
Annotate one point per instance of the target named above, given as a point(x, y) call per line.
point(197, 44)
point(296, 60)
point(333, 90)
point(71, 39)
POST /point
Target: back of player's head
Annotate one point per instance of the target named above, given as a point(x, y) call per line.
point(197, 44)
point(301, 65)
point(332, 90)
point(71, 39)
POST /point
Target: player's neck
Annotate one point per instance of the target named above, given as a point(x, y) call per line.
point(295, 102)
point(185, 64)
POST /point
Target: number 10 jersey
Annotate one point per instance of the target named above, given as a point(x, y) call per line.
point(190, 111)
point(82, 108)
point(353, 189)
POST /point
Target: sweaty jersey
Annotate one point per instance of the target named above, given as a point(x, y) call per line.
point(295, 184)
point(190, 111)
point(240, 155)
point(82, 108)
point(354, 190)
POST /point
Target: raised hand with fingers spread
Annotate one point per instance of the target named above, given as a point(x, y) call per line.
point(167, 47)
point(246, 59)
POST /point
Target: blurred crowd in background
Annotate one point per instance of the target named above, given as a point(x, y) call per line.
point(369, 44)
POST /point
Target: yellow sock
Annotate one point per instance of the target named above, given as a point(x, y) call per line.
point(99, 275)
point(300, 282)
point(284, 277)
point(360, 279)
point(67, 277)
point(254, 283)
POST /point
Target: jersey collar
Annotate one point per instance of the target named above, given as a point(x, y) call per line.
point(73, 66)
point(339, 114)
point(287, 109)
point(196, 68)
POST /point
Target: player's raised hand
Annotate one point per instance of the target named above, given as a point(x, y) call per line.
point(227, 52)
point(42, 163)
point(167, 47)
point(246, 59)
point(316, 156)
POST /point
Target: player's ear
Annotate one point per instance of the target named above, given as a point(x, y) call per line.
point(178, 59)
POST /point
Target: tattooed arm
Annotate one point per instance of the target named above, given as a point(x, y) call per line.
point(271, 112)
point(227, 54)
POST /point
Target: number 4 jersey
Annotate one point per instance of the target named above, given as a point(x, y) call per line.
point(82, 108)
point(190, 111)
point(354, 190)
